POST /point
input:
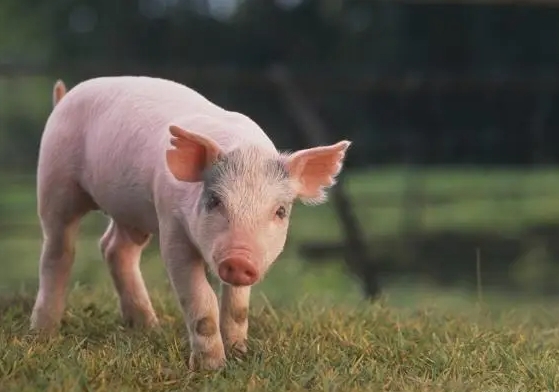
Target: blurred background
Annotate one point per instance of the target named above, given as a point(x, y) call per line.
point(451, 185)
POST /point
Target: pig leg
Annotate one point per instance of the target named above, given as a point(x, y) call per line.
point(61, 206)
point(122, 249)
point(198, 301)
point(234, 317)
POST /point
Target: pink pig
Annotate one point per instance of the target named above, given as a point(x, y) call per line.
point(159, 158)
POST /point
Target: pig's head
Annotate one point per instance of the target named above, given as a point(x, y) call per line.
point(247, 195)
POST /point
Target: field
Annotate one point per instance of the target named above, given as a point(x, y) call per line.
point(305, 345)
point(309, 329)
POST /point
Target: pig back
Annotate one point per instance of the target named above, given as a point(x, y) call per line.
point(123, 127)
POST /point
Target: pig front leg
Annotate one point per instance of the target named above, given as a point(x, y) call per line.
point(200, 308)
point(234, 317)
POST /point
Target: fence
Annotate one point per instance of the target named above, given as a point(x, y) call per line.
point(404, 211)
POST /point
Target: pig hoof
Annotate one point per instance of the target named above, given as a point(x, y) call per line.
point(238, 349)
point(138, 318)
point(142, 322)
point(44, 328)
point(204, 362)
point(43, 324)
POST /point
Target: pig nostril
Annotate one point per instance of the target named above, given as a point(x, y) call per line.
point(238, 272)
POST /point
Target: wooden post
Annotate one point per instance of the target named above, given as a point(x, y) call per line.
point(314, 132)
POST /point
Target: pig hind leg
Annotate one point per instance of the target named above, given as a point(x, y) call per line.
point(62, 204)
point(122, 249)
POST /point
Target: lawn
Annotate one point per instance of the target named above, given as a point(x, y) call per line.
point(298, 343)
point(309, 329)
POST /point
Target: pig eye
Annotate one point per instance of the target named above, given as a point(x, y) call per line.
point(281, 213)
point(213, 202)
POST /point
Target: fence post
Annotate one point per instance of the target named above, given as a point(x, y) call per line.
point(314, 132)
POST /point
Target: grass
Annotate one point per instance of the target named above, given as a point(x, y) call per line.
point(309, 329)
point(306, 344)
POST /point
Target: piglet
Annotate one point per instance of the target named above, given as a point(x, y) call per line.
point(160, 159)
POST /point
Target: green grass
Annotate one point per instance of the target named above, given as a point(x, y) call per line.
point(309, 329)
point(298, 344)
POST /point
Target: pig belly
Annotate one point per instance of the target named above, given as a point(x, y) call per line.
point(119, 171)
point(127, 203)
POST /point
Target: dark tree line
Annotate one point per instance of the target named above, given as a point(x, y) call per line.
point(467, 120)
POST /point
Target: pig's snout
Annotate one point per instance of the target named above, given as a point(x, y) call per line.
point(237, 272)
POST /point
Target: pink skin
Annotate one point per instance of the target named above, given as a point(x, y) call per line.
point(159, 158)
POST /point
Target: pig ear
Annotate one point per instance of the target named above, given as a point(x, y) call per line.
point(315, 169)
point(191, 156)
